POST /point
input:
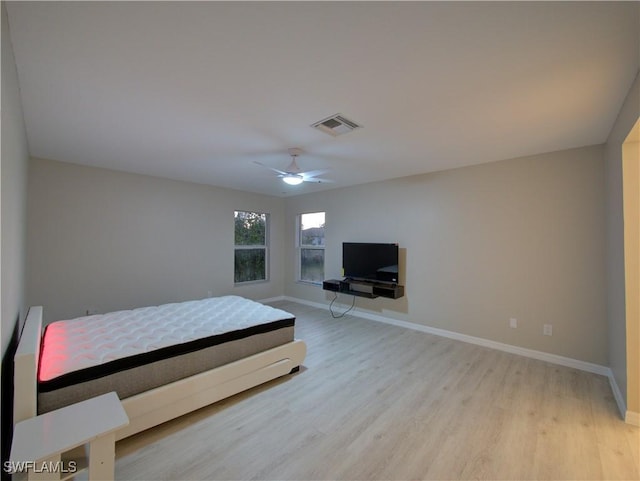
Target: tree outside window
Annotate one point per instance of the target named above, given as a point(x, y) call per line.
point(251, 246)
point(311, 247)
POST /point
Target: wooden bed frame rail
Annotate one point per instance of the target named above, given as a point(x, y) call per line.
point(166, 402)
point(25, 363)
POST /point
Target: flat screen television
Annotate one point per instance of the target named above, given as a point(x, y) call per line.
point(370, 261)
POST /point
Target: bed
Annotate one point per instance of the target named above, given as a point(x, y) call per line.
point(163, 361)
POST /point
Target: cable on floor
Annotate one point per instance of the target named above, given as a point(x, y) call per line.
point(338, 316)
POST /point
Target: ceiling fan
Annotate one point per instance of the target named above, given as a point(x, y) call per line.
point(293, 174)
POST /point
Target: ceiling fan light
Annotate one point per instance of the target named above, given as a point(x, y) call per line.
point(292, 179)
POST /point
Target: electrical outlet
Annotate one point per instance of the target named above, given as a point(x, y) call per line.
point(547, 330)
point(513, 323)
point(209, 293)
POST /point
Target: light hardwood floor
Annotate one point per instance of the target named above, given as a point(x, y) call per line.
point(375, 401)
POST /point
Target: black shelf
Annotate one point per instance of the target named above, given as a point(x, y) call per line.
point(370, 290)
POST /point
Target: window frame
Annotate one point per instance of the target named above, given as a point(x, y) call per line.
point(300, 247)
point(265, 247)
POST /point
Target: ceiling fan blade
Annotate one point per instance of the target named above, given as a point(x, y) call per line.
point(317, 180)
point(270, 168)
point(314, 173)
point(294, 171)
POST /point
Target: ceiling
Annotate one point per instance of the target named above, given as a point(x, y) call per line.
point(200, 91)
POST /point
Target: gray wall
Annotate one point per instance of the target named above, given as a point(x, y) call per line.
point(13, 205)
point(615, 237)
point(521, 238)
point(536, 238)
point(14, 166)
point(107, 240)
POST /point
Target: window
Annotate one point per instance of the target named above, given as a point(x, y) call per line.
point(311, 247)
point(251, 244)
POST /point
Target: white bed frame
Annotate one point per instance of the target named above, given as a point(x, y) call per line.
point(166, 402)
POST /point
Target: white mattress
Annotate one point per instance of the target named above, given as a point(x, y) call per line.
point(86, 342)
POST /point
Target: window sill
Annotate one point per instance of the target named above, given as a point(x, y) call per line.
point(250, 283)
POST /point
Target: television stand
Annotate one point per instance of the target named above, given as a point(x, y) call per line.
point(368, 289)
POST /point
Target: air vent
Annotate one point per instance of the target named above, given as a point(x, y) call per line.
point(336, 125)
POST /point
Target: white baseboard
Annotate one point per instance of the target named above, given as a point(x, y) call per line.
point(319, 305)
point(531, 353)
point(633, 418)
point(629, 416)
point(617, 394)
point(271, 299)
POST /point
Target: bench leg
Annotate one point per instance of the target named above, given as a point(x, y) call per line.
point(102, 453)
point(45, 470)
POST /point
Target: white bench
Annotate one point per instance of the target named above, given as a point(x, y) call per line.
point(50, 446)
